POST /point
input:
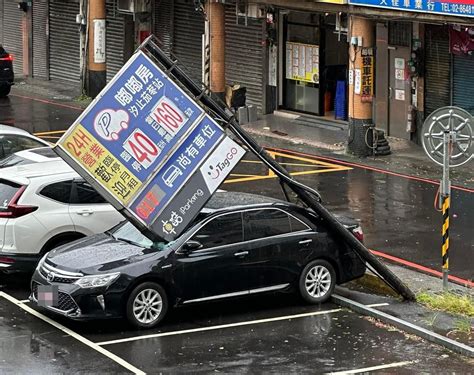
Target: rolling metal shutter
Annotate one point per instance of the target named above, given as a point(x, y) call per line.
point(64, 44)
point(463, 89)
point(1, 22)
point(40, 39)
point(114, 39)
point(187, 30)
point(244, 55)
point(163, 23)
point(437, 68)
point(12, 24)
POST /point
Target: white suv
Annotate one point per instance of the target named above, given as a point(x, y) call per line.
point(44, 205)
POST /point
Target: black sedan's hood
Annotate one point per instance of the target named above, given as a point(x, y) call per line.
point(99, 253)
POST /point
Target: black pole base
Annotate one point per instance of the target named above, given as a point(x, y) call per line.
point(360, 140)
point(96, 81)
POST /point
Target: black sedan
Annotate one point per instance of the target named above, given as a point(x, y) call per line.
point(240, 244)
point(6, 72)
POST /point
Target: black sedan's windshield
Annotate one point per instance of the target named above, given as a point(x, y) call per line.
point(128, 233)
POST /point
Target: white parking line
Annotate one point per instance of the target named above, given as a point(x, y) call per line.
point(223, 326)
point(73, 334)
point(378, 304)
point(374, 368)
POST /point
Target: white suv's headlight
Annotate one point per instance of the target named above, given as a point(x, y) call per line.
point(97, 281)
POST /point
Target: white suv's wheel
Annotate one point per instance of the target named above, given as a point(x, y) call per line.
point(147, 305)
point(317, 281)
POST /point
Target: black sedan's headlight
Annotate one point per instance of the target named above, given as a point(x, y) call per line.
point(97, 281)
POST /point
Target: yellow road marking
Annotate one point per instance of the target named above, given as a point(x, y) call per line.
point(48, 137)
point(50, 132)
point(242, 175)
point(316, 166)
point(289, 164)
point(312, 163)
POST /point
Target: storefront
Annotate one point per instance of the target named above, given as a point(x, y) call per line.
point(449, 67)
point(64, 46)
point(245, 50)
point(120, 42)
point(314, 58)
point(39, 38)
point(417, 51)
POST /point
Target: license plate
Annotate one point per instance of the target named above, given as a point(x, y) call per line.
point(48, 295)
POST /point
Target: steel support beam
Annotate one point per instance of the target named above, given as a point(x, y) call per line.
point(222, 113)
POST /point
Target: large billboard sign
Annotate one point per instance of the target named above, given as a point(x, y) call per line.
point(143, 144)
point(464, 8)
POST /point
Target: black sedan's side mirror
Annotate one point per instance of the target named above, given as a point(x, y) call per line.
point(191, 246)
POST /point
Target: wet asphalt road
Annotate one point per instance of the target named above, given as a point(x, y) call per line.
point(272, 333)
point(396, 213)
point(397, 217)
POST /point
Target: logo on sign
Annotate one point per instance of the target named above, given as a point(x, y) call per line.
point(173, 222)
point(109, 123)
point(219, 167)
point(220, 163)
point(191, 201)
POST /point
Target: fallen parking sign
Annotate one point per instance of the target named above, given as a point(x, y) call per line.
point(189, 200)
point(140, 141)
point(176, 171)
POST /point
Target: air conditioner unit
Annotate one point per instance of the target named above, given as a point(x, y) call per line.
point(133, 6)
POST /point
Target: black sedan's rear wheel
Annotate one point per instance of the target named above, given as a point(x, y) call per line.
point(317, 281)
point(4, 90)
point(147, 305)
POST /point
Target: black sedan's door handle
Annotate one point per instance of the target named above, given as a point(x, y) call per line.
point(305, 242)
point(241, 254)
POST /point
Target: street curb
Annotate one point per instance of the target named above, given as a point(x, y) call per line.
point(405, 326)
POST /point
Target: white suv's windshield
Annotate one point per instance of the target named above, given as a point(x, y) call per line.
point(13, 160)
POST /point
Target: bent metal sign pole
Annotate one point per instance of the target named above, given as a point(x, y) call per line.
point(307, 195)
point(150, 149)
point(448, 140)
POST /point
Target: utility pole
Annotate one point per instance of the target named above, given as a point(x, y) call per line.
point(215, 11)
point(361, 124)
point(96, 64)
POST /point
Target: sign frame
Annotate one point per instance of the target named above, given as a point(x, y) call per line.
point(198, 120)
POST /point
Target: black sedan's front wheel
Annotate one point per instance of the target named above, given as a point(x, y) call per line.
point(147, 305)
point(317, 281)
